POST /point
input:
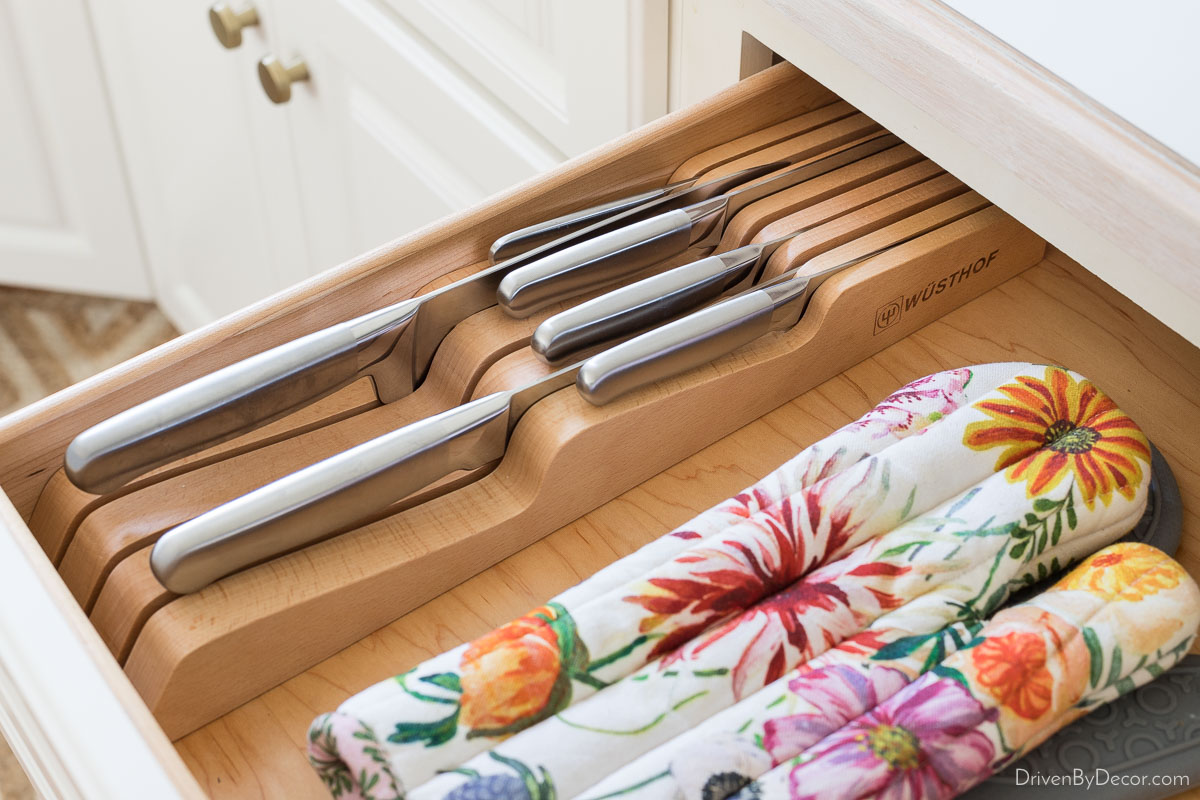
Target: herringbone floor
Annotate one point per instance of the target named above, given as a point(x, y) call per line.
point(47, 342)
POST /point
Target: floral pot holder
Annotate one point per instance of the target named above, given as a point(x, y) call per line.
point(843, 628)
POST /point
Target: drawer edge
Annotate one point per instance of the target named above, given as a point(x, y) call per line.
point(74, 721)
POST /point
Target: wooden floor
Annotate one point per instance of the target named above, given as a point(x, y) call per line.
point(48, 341)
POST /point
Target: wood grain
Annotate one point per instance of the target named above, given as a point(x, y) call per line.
point(1071, 169)
point(879, 170)
point(756, 141)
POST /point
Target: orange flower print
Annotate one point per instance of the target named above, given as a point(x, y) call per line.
point(1012, 668)
point(1049, 428)
point(512, 674)
point(1128, 571)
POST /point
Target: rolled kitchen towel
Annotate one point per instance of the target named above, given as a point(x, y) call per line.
point(716, 758)
point(1116, 622)
point(963, 546)
point(855, 484)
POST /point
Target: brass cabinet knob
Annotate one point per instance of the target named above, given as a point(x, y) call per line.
point(227, 24)
point(277, 78)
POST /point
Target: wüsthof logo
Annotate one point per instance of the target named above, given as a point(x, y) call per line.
point(890, 313)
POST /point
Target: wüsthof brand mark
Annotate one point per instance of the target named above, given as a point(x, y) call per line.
point(890, 313)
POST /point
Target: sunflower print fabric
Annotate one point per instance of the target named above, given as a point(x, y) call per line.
point(888, 510)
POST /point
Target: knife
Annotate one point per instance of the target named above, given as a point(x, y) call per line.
point(721, 328)
point(359, 483)
point(634, 248)
point(667, 295)
point(393, 345)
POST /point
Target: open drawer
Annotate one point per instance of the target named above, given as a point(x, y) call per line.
point(92, 735)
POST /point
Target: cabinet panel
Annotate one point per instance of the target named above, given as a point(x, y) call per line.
point(388, 134)
point(208, 157)
point(66, 219)
point(581, 72)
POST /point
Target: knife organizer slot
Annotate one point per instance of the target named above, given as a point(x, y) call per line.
point(239, 669)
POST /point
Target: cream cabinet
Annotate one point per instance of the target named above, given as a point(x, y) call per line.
point(65, 216)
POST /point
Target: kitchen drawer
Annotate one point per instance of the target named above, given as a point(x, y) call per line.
point(84, 731)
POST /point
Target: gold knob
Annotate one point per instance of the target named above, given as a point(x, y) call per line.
point(227, 24)
point(277, 79)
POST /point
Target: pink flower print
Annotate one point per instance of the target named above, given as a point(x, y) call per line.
point(923, 743)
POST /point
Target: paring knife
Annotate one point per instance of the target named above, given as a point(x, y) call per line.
point(634, 248)
point(667, 295)
point(360, 483)
point(394, 346)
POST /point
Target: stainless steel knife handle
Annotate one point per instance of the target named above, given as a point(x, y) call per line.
point(600, 261)
point(676, 347)
point(330, 496)
point(527, 238)
point(645, 304)
point(237, 398)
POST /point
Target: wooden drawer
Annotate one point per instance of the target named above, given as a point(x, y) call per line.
point(83, 726)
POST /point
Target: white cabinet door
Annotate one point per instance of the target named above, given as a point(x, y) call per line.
point(66, 219)
point(388, 133)
point(581, 72)
point(209, 157)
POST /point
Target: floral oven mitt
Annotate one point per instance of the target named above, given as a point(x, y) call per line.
point(985, 477)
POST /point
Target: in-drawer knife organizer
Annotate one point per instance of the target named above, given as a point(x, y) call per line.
point(234, 672)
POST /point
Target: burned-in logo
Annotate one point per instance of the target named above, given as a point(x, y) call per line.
point(888, 314)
